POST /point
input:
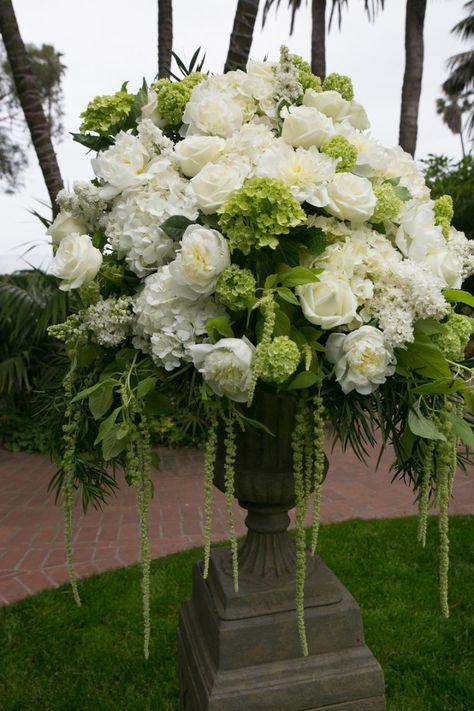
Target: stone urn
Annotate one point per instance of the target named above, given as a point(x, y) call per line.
point(240, 651)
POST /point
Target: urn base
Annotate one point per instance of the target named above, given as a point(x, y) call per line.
point(241, 651)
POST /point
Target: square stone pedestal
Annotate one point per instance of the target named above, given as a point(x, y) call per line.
point(241, 651)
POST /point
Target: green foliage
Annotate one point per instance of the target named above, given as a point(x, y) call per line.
point(446, 176)
point(58, 656)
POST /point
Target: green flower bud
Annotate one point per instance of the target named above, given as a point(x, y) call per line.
point(453, 342)
point(173, 96)
point(306, 78)
point(279, 360)
point(443, 210)
point(105, 114)
point(388, 204)
point(340, 147)
point(340, 83)
point(235, 287)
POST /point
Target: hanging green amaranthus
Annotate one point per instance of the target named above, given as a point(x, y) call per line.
point(209, 463)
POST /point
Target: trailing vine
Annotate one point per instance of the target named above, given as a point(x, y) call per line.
point(318, 430)
point(425, 492)
point(267, 307)
point(229, 475)
point(298, 447)
point(446, 469)
point(209, 463)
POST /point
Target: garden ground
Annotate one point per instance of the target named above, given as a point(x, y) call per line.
point(31, 532)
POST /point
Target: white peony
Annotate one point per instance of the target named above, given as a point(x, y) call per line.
point(216, 182)
point(418, 234)
point(446, 265)
point(76, 262)
point(328, 302)
point(226, 366)
point(363, 360)
point(304, 126)
point(123, 165)
point(203, 256)
point(212, 111)
point(249, 142)
point(351, 197)
point(194, 152)
point(65, 224)
point(306, 172)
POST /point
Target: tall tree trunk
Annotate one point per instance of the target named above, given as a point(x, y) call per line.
point(165, 37)
point(414, 50)
point(318, 38)
point(30, 100)
point(242, 33)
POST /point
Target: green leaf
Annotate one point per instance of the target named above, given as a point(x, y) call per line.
point(457, 296)
point(100, 401)
point(297, 276)
point(87, 353)
point(271, 281)
point(402, 193)
point(287, 295)
point(113, 444)
point(176, 226)
point(282, 324)
point(463, 430)
point(469, 400)
point(429, 327)
point(441, 387)
point(88, 391)
point(219, 326)
point(256, 424)
point(424, 358)
point(423, 427)
point(155, 460)
point(107, 425)
point(145, 386)
point(303, 380)
point(94, 143)
point(158, 404)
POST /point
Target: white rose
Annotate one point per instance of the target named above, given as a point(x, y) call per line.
point(215, 183)
point(225, 366)
point(304, 126)
point(123, 165)
point(204, 254)
point(328, 302)
point(363, 360)
point(150, 110)
point(76, 262)
point(195, 151)
point(356, 115)
point(351, 197)
point(330, 103)
point(445, 265)
point(64, 225)
point(212, 111)
point(418, 234)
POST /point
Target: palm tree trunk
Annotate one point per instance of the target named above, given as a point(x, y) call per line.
point(415, 19)
point(30, 100)
point(165, 37)
point(241, 36)
point(318, 38)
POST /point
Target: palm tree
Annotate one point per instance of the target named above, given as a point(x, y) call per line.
point(318, 29)
point(451, 110)
point(242, 33)
point(165, 37)
point(30, 100)
point(411, 90)
point(461, 79)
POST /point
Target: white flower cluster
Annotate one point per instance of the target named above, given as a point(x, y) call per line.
point(110, 320)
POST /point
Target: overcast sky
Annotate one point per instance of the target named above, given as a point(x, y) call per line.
point(106, 42)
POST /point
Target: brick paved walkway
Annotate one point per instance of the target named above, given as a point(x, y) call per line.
point(31, 532)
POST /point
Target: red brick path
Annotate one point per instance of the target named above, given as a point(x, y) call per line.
point(31, 532)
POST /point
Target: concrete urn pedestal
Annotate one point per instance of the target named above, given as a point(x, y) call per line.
point(241, 651)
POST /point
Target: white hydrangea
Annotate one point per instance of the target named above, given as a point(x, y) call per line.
point(154, 140)
point(463, 249)
point(168, 323)
point(110, 320)
point(133, 226)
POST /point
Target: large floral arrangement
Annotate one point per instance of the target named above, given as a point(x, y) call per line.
point(245, 232)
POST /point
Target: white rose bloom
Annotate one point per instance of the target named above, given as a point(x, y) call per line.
point(123, 165)
point(371, 157)
point(226, 366)
point(351, 197)
point(203, 256)
point(150, 110)
point(65, 224)
point(418, 234)
point(357, 116)
point(194, 152)
point(363, 360)
point(263, 70)
point(330, 103)
point(305, 126)
point(446, 265)
point(328, 302)
point(76, 262)
point(216, 182)
point(305, 172)
point(402, 165)
point(212, 111)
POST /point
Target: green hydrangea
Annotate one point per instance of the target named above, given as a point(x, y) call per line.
point(340, 147)
point(257, 213)
point(453, 342)
point(106, 114)
point(340, 83)
point(444, 211)
point(306, 78)
point(388, 204)
point(236, 287)
point(173, 96)
point(279, 360)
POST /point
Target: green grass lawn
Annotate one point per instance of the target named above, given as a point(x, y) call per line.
point(57, 657)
